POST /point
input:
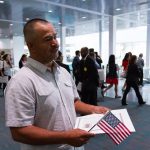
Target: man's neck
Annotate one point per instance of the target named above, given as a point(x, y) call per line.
point(50, 64)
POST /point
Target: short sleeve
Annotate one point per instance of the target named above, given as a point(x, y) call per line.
point(19, 103)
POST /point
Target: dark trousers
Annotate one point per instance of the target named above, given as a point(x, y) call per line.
point(134, 85)
point(89, 93)
point(141, 76)
point(76, 77)
point(4, 84)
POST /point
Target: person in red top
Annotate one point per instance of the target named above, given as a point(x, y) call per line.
point(125, 63)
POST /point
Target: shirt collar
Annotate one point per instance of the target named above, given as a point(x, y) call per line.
point(39, 66)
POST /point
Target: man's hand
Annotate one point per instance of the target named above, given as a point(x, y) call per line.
point(77, 137)
point(86, 109)
point(100, 109)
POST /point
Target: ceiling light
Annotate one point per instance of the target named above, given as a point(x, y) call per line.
point(11, 24)
point(83, 0)
point(118, 9)
point(1, 2)
point(84, 17)
point(59, 22)
point(50, 11)
point(27, 19)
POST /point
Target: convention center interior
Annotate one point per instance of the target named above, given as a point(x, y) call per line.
point(74, 74)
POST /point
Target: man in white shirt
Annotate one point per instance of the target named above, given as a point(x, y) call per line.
point(42, 100)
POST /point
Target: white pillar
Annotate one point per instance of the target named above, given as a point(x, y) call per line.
point(18, 49)
point(112, 35)
point(63, 43)
point(100, 38)
point(17, 42)
point(148, 46)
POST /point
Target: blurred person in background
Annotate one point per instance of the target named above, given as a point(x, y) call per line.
point(23, 60)
point(7, 65)
point(59, 61)
point(89, 77)
point(112, 76)
point(140, 64)
point(132, 80)
point(125, 63)
point(99, 60)
point(75, 66)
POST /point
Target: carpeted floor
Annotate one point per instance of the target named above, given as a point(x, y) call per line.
point(6, 143)
point(137, 141)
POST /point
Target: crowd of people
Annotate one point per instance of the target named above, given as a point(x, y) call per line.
point(41, 100)
point(87, 74)
point(5, 67)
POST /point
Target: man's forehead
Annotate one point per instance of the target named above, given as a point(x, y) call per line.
point(44, 26)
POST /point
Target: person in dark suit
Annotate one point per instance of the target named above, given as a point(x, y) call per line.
point(75, 66)
point(132, 78)
point(59, 61)
point(99, 60)
point(89, 78)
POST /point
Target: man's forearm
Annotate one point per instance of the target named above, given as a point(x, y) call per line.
point(84, 108)
point(38, 136)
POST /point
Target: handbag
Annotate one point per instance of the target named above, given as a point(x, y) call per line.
point(3, 79)
point(79, 86)
point(123, 74)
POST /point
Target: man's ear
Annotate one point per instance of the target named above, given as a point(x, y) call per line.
point(30, 45)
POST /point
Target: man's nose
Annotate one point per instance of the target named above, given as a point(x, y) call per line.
point(54, 42)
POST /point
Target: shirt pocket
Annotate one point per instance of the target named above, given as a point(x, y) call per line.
point(45, 91)
point(68, 90)
point(68, 84)
point(45, 96)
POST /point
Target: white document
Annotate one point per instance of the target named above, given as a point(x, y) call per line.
point(87, 122)
point(79, 86)
point(101, 74)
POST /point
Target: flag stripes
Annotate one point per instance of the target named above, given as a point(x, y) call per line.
point(116, 130)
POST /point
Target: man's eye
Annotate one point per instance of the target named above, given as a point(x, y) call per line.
point(50, 38)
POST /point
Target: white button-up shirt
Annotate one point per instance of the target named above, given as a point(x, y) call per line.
point(37, 96)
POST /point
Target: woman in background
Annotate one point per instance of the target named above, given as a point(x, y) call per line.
point(112, 76)
point(7, 65)
point(23, 60)
point(125, 63)
point(59, 61)
point(132, 78)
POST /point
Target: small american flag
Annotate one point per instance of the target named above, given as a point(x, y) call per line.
point(111, 125)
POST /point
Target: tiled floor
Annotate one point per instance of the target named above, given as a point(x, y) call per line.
point(145, 92)
point(139, 115)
